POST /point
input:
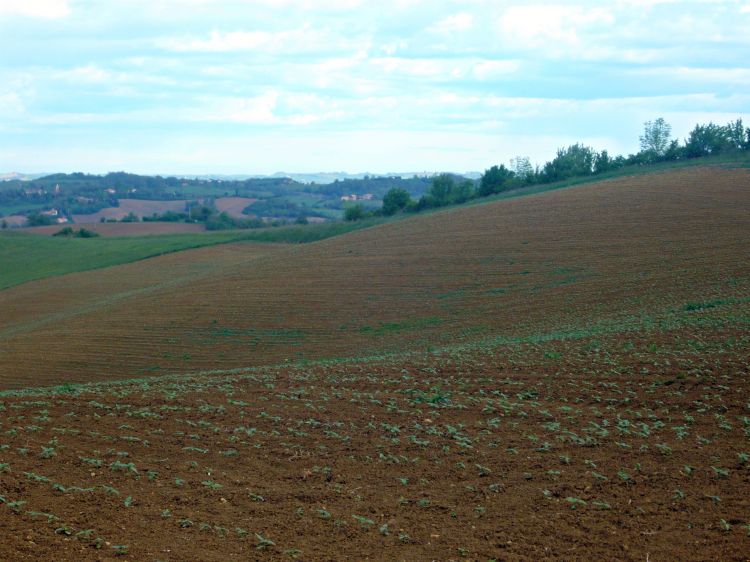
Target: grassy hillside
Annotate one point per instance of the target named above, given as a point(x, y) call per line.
point(27, 257)
point(590, 259)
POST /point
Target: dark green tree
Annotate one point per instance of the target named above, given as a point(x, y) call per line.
point(130, 217)
point(705, 140)
point(66, 231)
point(397, 199)
point(462, 191)
point(441, 190)
point(603, 162)
point(494, 180)
point(354, 213)
point(37, 219)
point(576, 160)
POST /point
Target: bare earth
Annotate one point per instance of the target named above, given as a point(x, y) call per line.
point(234, 206)
point(557, 377)
point(140, 207)
point(534, 265)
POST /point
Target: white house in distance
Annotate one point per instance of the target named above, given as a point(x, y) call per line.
point(355, 197)
point(59, 219)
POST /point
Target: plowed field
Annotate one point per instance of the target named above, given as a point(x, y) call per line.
point(234, 206)
point(625, 447)
point(563, 376)
point(565, 260)
point(139, 207)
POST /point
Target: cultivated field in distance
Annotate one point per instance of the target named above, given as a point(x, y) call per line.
point(110, 229)
point(139, 207)
point(564, 375)
point(233, 206)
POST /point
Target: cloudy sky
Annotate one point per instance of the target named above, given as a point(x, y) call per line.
point(259, 86)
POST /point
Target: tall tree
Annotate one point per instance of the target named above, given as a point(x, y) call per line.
point(655, 138)
point(522, 168)
point(442, 187)
point(735, 132)
point(603, 162)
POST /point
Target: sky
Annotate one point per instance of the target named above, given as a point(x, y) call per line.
point(262, 86)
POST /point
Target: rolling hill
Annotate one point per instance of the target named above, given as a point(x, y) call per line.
point(594, 258)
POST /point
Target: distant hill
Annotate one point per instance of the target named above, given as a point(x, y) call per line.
point(11, 176)
point(277, 197)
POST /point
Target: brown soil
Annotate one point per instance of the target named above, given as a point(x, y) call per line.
point(14, 221)
point(146, 208)
point(123, 228)
point(626, 448)
point(535, 265)
point(77, 295)
point(234, 206)
point(587, 399)
point(140, 207)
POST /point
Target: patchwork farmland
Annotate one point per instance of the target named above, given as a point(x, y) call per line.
point(562, 375)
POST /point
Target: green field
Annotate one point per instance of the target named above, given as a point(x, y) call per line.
point(28, 257)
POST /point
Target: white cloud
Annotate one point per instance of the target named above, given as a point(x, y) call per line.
point(445, 69)
point(44, 9)
point(332, 5)
point(489, 69)
point(11, 104)
point(258, 110)
point(302, 40)
point(269, 108)
point(89, 73)
point(94, 74)
point(424, 68)
point(238, 6)
point(455, 23)
point(705, 76)
point(645, 3)
point(550, 26)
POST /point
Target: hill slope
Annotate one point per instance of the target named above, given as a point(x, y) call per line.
point(595, 257)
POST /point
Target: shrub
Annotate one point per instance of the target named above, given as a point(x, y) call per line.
point(354, 213)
